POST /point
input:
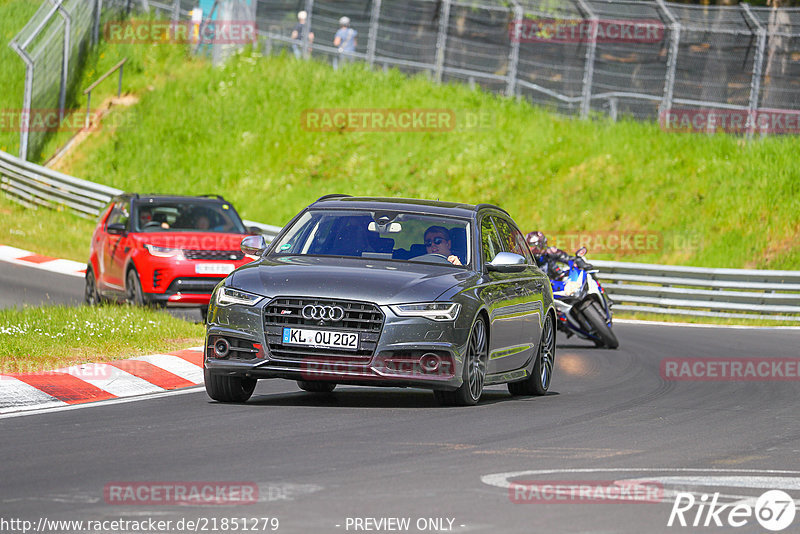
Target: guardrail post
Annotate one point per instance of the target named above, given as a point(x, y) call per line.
point(758, 63)
point(513, 55)
point(374, 20)
point(591, 50)
point(441, 40)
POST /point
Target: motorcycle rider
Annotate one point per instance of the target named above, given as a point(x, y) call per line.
point(549, 258)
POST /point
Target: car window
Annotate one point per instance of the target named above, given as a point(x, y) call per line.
point(186, 216)
point(119, 214)
point(489, 241)
point(377, 235)
point(511, 239)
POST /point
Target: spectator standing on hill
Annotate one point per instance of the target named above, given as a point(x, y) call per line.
point(298, 33)
point(345, 40)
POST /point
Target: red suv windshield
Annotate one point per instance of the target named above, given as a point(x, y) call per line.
point(184, 216)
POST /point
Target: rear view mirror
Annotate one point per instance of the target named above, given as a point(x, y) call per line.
point(507, 262)
point(581, 252)
point(254, 245)
point(116, 228)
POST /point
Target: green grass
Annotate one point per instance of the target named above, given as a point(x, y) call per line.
point(646, 316)
point(60, 234)
point(43, 338)
point(715, 200)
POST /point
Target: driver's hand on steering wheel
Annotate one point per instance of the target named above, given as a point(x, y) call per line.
point(454, 259)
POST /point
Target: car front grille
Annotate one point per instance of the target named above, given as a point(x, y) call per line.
point(220, 255)
point(364, 318)
point(194, 285)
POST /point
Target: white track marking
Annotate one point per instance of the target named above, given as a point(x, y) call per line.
point(697, 325)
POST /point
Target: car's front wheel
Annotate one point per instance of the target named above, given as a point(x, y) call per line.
point(133, 289)
point(539, 381)
point(225, 388)
point(474, 371)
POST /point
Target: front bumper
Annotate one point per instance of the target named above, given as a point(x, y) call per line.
point(410, 352)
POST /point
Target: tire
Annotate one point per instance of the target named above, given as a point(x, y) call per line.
point(133, 288)
point(90, 294)
point(315, 386)
point(474, 370)
point(595, 318)
point(224, 388)
point(204, 313)
point(539, 381)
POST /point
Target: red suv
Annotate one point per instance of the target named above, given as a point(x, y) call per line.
point(164, 250)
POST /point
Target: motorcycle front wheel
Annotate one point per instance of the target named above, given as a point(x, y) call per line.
point(596, 318)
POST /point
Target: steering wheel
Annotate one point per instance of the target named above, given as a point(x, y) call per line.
point(441, 258)
point(152, 224)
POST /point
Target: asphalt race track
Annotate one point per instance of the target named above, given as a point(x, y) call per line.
point(25, 285)
point(332, 463)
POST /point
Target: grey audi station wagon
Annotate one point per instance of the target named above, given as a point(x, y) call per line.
point(385, 292)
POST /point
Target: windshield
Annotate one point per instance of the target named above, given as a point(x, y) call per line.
point(378, 235)
point(186, 216)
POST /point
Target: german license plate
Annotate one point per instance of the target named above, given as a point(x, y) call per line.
point(320, 338)
point(214, 268)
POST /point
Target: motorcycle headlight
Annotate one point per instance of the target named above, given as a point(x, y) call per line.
point(227, 296)
point(572, 287)
point(436, 311)
point(165, 252)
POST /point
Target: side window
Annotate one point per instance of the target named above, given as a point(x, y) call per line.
point(119, 214)
point(511, 239)
point(489, 242)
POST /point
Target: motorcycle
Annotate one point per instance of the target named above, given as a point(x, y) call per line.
point(582, 306)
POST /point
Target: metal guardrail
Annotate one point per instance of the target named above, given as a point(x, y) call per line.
point(702, 291)
point(34, 185)
point(643, 287)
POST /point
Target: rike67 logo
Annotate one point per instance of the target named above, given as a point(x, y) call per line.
point(774, 510)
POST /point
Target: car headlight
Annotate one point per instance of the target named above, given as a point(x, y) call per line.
point(227, 296)
point(436, 311)
point(165, 252)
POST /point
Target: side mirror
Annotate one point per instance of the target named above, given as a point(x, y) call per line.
point(254, 245)
point(116, 228)
point(507, 262)
point(581, 252)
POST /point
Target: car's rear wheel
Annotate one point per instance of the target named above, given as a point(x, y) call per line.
point(91, 296)
point(539, 381)
point(224, 388)
point(133, 289)
point(474, 371)
point(316, 387)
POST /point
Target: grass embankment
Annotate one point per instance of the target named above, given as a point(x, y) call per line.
point(713, 200)
point(43, 338)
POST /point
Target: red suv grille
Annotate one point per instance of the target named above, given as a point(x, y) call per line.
point(230, 255)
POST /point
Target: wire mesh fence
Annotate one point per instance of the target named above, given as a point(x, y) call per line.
point(735, 68)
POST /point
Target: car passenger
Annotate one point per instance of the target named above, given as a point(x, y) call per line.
point(438, 241)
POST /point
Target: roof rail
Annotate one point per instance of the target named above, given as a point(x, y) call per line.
point(479, 207)
point(219, 197)
point(332, 195)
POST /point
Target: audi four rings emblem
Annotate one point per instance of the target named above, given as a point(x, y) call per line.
point(323, 313)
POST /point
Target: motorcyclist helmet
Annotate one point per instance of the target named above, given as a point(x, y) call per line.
point(537, 241)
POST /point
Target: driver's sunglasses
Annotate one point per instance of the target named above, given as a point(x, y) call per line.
point(435, 241)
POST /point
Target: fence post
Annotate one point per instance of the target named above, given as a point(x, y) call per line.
point(588, 72)
point(758, 63)
point(306, 44)
point(513, 55)
point(62, 96)
point(441, 40)
point(374, 20)
point(27, 102)
point(176, 10)
point(98, 9)
point(672, 59)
